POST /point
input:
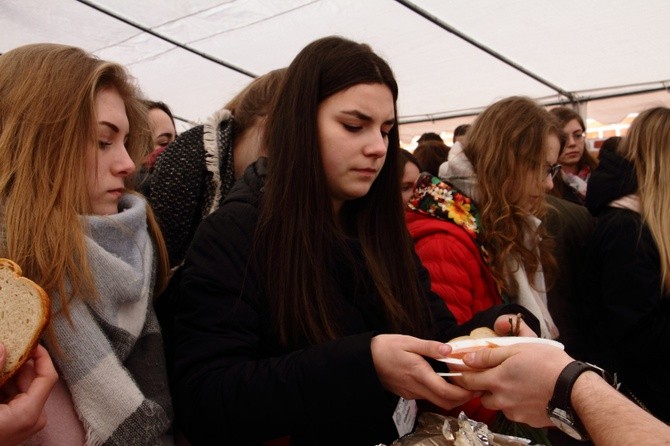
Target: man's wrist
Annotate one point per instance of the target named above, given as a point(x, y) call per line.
point(560, 408)
point(586, 379)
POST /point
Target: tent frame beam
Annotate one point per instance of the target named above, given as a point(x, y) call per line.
point(167, 39)
point(423, 13)
point(583, 100)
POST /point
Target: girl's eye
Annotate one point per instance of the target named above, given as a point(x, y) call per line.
point(351, 128)
point(385, 134)
point(104, 144)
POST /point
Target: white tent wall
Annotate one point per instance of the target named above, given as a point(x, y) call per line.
point(451, 57)
point(603, 114)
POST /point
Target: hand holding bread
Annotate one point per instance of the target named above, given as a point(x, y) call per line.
point(24, 312)
point(23, 399)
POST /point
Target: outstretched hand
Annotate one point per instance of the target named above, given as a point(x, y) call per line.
point(518, 379)
point(403, 370)
point(22, 398)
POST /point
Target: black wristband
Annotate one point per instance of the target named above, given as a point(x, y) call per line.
point(560, 409)
point(565, 382)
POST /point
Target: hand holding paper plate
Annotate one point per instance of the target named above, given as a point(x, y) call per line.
point(463, 346)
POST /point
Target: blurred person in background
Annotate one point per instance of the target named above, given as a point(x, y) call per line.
point(431, 154)
point(193, 176)
point(163, 132)
point(411, 170)
point(576, 161)
point(626, 286)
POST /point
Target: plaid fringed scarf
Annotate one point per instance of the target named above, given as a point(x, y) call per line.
point(111, 356)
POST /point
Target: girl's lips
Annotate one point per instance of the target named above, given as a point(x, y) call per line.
point(570, 155)
point(367, 171)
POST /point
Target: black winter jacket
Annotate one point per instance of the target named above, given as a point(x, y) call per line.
point(627, 316)
point(234, 383)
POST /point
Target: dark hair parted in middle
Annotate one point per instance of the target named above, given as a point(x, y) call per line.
point(298, 227)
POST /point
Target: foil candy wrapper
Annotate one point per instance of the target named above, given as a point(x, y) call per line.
point(439, 430)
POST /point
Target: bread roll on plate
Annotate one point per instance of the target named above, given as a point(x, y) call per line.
point(477, 333)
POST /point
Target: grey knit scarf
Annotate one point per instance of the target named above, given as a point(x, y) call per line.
point(111, 355)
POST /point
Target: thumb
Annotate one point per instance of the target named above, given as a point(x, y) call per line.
point(432, 349)
point(486, 358)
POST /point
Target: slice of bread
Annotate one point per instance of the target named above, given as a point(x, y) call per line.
point(24, 312)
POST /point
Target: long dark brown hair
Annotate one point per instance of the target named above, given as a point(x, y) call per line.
point(298, 229)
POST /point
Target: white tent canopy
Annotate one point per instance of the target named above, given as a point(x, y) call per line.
point(451, 57)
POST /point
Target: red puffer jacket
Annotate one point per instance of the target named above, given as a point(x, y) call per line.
point(459, 276)
point(458, 273)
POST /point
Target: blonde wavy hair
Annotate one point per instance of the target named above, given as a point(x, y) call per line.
point(507, 146)
point(647, 146)
point(47, 129)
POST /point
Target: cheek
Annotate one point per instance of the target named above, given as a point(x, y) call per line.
point(326, 142)
point(91, 171)
point(334, 150)
point(534, 185)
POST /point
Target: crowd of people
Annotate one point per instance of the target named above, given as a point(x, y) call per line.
point(286, 274)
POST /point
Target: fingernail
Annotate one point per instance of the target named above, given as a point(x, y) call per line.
point(444, 349)
point(468, 357)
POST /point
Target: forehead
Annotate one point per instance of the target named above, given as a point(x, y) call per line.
point(410, 169)
point(374, 100)
point(110, 106)
point(159, 117)
point(572, 126)
point(553, 148)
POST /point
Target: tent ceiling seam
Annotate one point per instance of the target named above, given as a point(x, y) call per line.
point(167, 39)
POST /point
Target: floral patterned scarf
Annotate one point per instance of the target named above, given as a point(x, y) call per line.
point(440, 199)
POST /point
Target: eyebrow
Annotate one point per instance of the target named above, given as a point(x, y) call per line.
point(110, 125)
point(364, 117)
point(114, 128)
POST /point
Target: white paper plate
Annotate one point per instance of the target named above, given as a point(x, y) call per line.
point(468, 345)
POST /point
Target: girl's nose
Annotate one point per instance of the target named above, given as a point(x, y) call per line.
point(124, 164)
